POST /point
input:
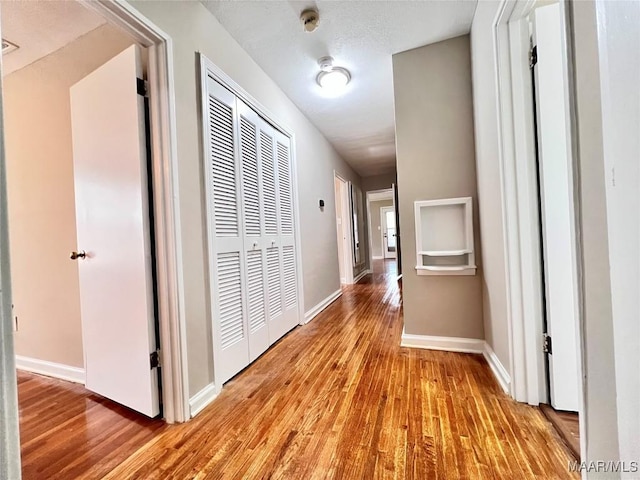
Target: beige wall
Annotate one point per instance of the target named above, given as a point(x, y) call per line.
point(376, 232)
point(194, 29)
point(435, 159)
point(494, 288)
point(42, 224)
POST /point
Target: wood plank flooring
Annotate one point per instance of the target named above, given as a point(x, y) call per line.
point(567, 425)
point(337, 398)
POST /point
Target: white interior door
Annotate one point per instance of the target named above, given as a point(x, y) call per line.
point(252, 251)
point(227, 253)
point(253, 146)
point(289, 272)
point(389, 239)
point(556, 192)
point(112, 214)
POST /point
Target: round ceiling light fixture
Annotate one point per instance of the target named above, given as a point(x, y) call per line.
point(333, 80)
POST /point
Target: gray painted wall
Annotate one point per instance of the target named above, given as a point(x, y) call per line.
point(194, 29)
point(436, 159)
point(378, 182)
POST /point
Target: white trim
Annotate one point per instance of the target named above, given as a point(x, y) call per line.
point(501, 374)
point(170, 284)
point(361, 275)
point(347, 247)
point(449, 344)
point(202, 399)
point(315, 311)
point(519, 196)
point(519, 201)
point(51, 369)
point(376, 257)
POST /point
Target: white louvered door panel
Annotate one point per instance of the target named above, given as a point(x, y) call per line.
point(268, 165)
point(225, 225)
point(254, 242)
point(289, 278)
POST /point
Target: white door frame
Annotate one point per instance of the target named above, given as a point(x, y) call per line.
point(347, 246)
point(383, 228)
point(164, 177)
point(374, 196)
point(520, 205)
point(9, 436)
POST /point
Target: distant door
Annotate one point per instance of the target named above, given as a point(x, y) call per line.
point(389, 240)
point(114, 244)
point(556, 196)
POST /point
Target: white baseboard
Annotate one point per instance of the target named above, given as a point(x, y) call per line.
point(501, 374)
point(361, 275)
point(449, 344)
point(200, 400)
point(376, 257)
point(311, 314)
point(51, 369)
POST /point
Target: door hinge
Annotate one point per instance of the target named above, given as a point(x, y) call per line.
point(533, 56)
point(154, 359)
point(142, 87)
point(546, 343)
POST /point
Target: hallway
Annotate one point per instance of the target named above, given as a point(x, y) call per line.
point(337, 398)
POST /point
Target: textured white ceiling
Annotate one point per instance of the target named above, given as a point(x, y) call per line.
point(361, 36)
point(39, 28)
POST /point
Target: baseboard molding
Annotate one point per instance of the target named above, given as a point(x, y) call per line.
point(449, 344)
point(361, 275)
point(51, 369)
point(376, 257)
point(200, 400)
point(311, 314)
point(501, 374)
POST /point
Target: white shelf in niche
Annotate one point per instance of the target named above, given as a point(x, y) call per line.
point(443, 253)
point(444, 237)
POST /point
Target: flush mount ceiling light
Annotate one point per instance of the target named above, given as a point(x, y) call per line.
point(332, 79)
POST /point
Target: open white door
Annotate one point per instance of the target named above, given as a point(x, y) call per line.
point(556, 193)
point(112, 215)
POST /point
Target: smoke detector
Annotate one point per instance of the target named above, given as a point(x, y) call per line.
point(8, 47)
point(310, 19)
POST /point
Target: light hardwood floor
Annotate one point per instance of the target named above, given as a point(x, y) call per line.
point(337, 398)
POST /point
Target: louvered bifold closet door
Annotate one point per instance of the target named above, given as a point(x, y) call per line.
point(225, 229)
point(273, 272)
point(255, 243)
point(286, 223)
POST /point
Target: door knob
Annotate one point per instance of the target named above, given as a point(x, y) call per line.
point(76, 255)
